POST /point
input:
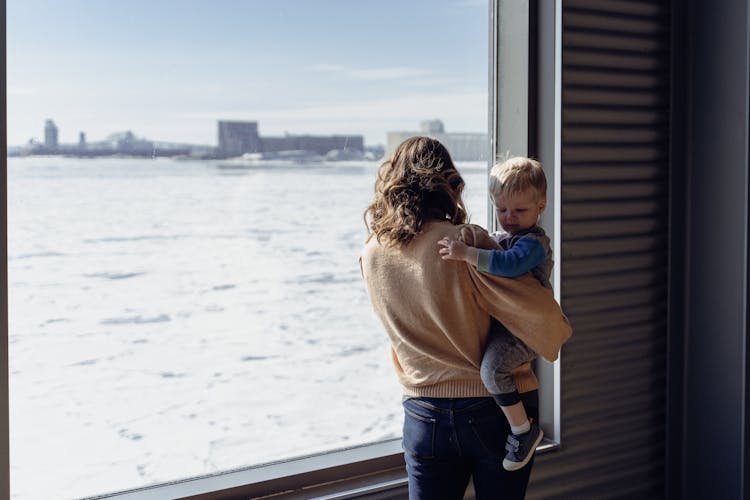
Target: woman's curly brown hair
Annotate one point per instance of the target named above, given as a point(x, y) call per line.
point(417, 184)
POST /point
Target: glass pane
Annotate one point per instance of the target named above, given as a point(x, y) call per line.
point(186, 188)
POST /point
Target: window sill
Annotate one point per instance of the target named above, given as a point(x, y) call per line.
point(340, 474)
point(375, 470)
point(547, 445)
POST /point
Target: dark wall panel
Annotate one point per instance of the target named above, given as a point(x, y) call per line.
point(615, 160)
point(717, 128)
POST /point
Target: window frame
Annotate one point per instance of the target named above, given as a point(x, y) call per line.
point(525, 120)
point(358, 470)
point(5, 380)
point(531, 128)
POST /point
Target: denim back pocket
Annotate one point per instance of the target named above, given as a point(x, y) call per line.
point(419, 432)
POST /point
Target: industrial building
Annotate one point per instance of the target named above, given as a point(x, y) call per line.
point(50, 135)
point(239, 137)
point(462, 146)
point(236, 138)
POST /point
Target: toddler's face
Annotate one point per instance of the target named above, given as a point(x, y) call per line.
point(519, 211)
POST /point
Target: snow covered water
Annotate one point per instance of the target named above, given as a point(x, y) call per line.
point(170, 319)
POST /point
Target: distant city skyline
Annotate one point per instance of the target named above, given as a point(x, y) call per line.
point(169, 70)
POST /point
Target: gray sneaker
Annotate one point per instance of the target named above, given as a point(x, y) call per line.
point(521, 447)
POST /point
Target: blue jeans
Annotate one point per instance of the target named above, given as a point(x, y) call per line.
point(448, 440)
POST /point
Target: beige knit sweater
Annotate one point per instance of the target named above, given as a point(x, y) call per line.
point(437, 314)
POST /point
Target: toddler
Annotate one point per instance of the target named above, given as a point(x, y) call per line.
point(518, 189)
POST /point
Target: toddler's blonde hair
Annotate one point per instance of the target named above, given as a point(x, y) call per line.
point(515, 175)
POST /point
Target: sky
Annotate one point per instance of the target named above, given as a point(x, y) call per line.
point(168, 70)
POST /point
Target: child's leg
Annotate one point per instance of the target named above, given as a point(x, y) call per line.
point(504, 352)
point(516, 415)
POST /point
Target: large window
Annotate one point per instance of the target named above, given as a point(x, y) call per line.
point(186, 184)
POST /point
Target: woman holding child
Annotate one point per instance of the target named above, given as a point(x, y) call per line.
point(438, 314)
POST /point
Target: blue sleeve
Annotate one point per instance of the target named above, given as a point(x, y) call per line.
point(524, 256)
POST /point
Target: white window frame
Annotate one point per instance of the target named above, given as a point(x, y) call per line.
point(367, 469)
point(525, 97)
point(4, 382)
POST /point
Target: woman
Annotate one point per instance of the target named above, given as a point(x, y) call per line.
point(437, 314)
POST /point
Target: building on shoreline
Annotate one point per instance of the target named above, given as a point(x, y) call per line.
point(117, 144)
point(50, 135)
point(240, 137)
point(462, 146)
point(235, 138)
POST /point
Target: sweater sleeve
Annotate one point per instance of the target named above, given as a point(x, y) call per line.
point(524, 256)
point(527, 309)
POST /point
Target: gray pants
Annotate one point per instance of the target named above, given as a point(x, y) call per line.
point(504, 353)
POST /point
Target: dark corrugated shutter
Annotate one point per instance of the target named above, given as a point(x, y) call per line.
point(615, 130)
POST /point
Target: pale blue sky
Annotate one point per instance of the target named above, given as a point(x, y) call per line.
point(169, 69)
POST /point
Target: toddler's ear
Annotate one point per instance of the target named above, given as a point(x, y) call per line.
point(542, 204)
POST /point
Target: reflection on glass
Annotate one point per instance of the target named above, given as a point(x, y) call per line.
point(185, 296)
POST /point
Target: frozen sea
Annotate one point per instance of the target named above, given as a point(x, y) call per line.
point(171, 319)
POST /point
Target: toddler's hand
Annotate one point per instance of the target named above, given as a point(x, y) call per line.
point(451, 249)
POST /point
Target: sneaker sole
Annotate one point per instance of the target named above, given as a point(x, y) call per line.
point(513, 466)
